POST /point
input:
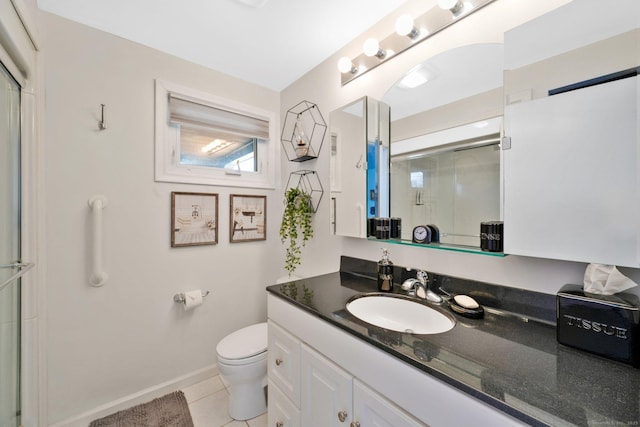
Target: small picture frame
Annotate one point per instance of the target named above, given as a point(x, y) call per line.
point(194, 219)
point(247, 218)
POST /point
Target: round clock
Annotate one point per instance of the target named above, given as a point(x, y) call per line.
point(421, 234)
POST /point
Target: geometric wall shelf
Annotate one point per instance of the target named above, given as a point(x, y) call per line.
point(308, 182)
point(303, 132)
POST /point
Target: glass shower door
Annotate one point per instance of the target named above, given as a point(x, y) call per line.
point(9, 250)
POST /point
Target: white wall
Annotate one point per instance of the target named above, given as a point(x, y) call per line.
point(322, 85)
point(107, 343)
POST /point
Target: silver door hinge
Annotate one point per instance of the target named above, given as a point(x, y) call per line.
point(506, 143)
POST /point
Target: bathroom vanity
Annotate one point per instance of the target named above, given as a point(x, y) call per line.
point(326, 367)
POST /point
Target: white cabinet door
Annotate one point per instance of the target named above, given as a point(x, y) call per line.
point(571, 181)
point(372, 410)
point(327, 397)
point(284, 362)
point(282, 413)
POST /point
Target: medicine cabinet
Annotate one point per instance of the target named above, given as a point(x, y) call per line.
point(571, 159)
point(359, 165)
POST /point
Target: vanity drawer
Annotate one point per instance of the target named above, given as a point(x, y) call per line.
point(281, 411)
point(284, 362)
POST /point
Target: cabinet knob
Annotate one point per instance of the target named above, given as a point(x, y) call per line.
point(279, 424)
point(355, 424)
point(279, 362)
point(342, 416)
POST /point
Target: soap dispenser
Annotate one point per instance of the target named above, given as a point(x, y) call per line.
point(385, 273)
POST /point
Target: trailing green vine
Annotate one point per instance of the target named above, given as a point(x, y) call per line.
point(296, 227)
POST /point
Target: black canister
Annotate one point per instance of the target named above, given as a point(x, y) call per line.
point(371, 227)
point(383, 228)
point(396, 228)
point(492, 236)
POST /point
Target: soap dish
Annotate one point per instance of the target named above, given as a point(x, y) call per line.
point(474, 313)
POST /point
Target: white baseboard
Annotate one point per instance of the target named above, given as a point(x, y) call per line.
point(142, 396)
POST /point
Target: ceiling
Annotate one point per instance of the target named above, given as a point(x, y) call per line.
point(272, 43)
point(449, 79)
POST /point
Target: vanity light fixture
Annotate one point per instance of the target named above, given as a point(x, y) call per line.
point(346, 66)
point(406, 27)
point(371, 47)
point(454, 6)
point(408, 33)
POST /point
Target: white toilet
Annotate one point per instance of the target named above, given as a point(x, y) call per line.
point(242, 359)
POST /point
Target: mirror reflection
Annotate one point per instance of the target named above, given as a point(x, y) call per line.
point(445, 157)
point(359, 165)
point(454, 186)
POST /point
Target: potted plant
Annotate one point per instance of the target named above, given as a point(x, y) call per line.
point(295, 227)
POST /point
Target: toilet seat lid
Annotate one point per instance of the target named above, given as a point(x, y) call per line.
point(243, 343)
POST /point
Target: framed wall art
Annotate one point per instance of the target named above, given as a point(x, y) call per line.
point(194, 219)
point(248, 218)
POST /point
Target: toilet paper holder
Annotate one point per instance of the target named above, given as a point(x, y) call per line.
point(181, 298)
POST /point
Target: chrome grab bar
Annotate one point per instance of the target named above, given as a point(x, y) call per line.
point(23, 266)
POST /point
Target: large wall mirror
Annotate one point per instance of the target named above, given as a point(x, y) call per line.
point(444, 166)
point(447, 117)
point(445, 154)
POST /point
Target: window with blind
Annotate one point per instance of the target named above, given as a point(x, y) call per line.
point(204, 139)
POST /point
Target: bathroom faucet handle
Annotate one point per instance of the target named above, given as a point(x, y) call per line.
point(422, 276)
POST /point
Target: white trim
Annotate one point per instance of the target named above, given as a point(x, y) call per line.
point(166, 143)
point(142, 396)
point(18, 52)
point(14, 44)
point(27, 22)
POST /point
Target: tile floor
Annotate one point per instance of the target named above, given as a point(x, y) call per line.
point(208, 405)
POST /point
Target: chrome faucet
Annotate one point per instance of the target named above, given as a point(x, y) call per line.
point(420, 288)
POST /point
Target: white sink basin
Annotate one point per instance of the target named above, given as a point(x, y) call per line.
point(398, 313)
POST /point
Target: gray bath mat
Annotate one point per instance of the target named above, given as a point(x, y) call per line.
point(166, 411)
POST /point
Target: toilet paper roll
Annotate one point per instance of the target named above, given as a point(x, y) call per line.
point(192, 299)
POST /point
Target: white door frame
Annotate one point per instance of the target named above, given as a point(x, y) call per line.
point(19, 54)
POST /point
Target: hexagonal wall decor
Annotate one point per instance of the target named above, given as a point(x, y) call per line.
point(303, 132)
point(309, 182)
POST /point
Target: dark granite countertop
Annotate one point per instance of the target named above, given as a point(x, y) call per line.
point(508, 359)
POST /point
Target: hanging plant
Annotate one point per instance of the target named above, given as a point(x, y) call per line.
point(296, 226)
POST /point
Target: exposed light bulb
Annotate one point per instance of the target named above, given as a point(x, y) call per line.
point(346, 66)
point(372, 48)
point(406, 27)
point(454, 6)
point(447, 4)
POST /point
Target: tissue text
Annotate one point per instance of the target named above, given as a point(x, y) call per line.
point(596, 327)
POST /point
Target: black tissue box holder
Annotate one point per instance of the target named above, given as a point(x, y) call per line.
point(606, 325)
